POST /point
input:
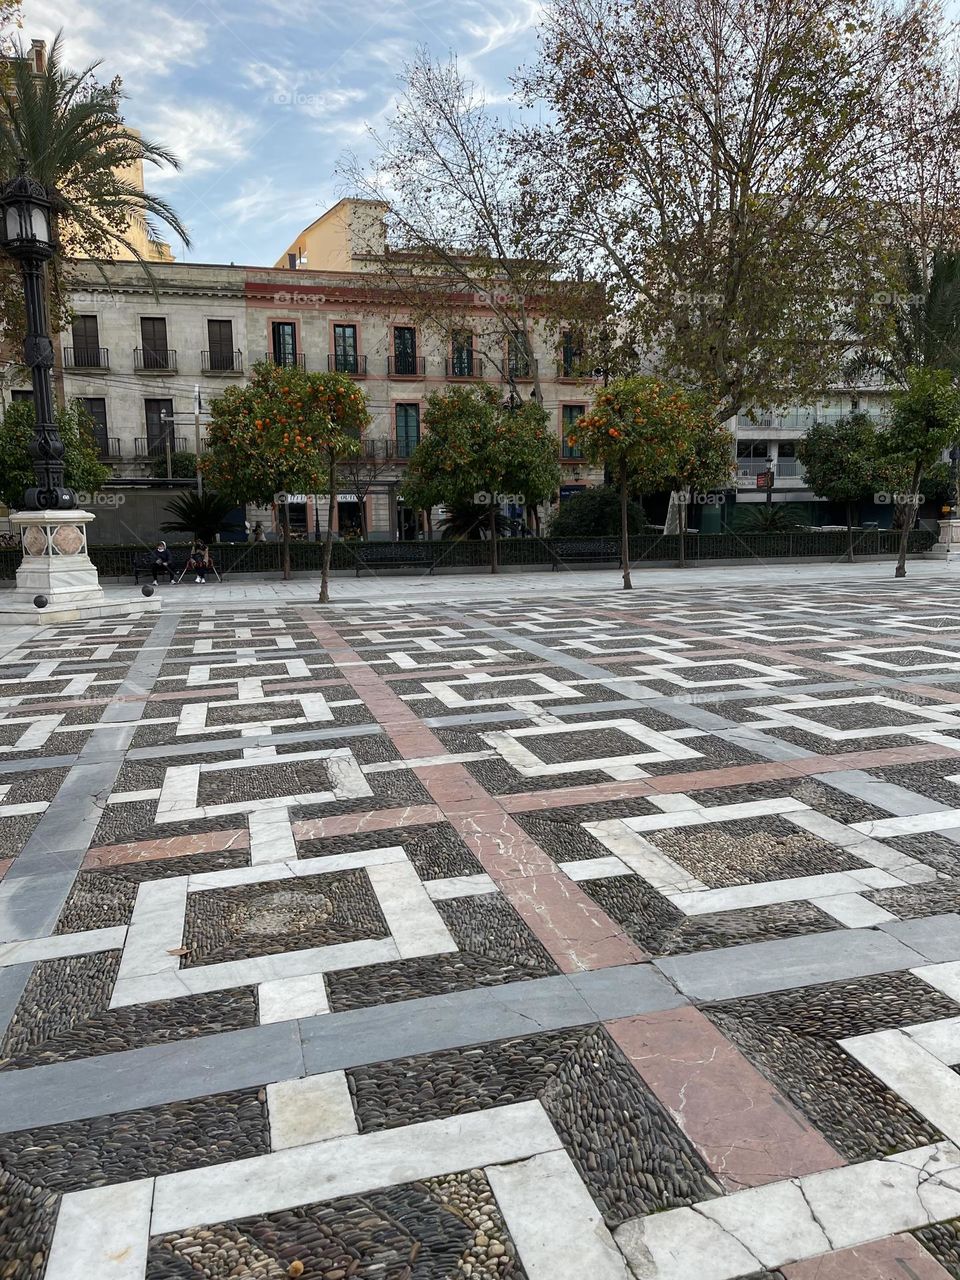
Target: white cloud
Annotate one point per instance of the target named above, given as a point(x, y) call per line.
point(203, 135)
point(496, 31)
point(104, 31)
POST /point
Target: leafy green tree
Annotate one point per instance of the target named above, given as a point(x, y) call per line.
point(642, 429)
point(841, 460)
point(183, 465)
point(83, 469)
point(201, 515)
point(925, 421)
point(284, 433)
point(476, 448)
point(705, 461)
point(595, 513)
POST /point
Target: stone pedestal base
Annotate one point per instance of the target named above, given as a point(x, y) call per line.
point(56, 565)
point(948, 546)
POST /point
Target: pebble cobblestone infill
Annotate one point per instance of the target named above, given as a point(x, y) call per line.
point(533, 1082)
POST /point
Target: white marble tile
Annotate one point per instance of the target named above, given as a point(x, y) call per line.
point(349, 861)
point(83, 943)
point(919, 1077)
point(910, 824)
point(773, 1222)
point(853, 911)
point(945, 977)
point(156, 928)
point(350, 1166)
point(716, 813)
point(284, 999)
point(271, 836)
point(681, 1244)
point(594, 868)
point(311, 1109)
point(102, 1233)
point(742, 896)
point(941, 1038)
point(557, 1229)
point(415, 924)
point(642, 857)
point(459, 887)
point(258, 969)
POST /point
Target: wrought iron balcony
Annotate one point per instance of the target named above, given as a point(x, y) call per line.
point(286, 359)
point(86, 358)
point(347, 362)
point(107, 447)
point(155, 360)
point(221, 362)
point(406, 366)
point(156, 446)
point(464, 366)
point(379, 449)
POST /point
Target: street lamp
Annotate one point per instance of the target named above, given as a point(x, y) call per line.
point(770, 475)
point(26, 235)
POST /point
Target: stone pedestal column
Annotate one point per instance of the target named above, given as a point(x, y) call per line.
point(948, 546)
point(56, 565)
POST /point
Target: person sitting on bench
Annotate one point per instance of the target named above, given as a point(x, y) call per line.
point(200, 561)
point(161, 563)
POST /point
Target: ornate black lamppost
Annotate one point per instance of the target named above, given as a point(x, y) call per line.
point(26, 235)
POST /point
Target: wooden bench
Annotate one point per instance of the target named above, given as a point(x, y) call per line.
point(395, 555)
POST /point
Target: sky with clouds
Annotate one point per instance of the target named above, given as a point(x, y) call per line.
point(260, 98)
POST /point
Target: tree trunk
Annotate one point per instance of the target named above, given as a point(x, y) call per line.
point(429, 515)
point(328, 539)
point(285, 540)
point(624, 531)
point(850, 532)
point(363, 517)
point(494, 511)
point(901, 569)
point(682, 521)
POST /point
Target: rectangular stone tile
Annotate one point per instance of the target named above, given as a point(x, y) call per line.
point(914, 1074)
point(350, 1166)
point(785, 963)
point(62, 944)
point(13, 979)
point(114, 855)
point(620, 991)
point(746, 1131)
point(896, 1258)
point(409, 1027)
point(347, 824)
point(936, 938)
point(103, 1232)
point(556, 1227)
point(148, 1077)
point(311, 1109)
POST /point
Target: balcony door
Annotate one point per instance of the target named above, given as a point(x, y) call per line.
point(95, 408)
point(159, 419)
point(345, 348)
point(153, 334)
point(86, 342)
point(220, 337)
point(404, 351)
point(462, 364)
point(284, 342)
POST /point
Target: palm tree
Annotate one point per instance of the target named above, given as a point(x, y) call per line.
point(924, 330)
point(198, 514)
point(67, 130)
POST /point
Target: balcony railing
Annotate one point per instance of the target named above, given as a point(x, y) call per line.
point(156, 446)
point(464, 367)
point(86, 358)
point(751, 466)
point(221, 361)
point(406, 366)
point(345, 362)
point(380, 449)
point(154, 360)
point(404, 447)
point(107, 447)
point(790, 468)
point(286, 359)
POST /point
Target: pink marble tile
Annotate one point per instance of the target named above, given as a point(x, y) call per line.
point(348, 824)
point(112, 855)
point(747, 1132)
point(5, 865)
point(896, 1258)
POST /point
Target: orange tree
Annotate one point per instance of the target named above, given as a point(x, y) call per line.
point(276, 436)
point(640, 429)
point(476, 450)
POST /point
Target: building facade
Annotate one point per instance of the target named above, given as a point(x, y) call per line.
point(142, 355)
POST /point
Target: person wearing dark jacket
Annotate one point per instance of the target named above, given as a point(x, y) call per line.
point(161, 562)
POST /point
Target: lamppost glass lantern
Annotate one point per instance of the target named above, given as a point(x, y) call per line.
point(25, 229)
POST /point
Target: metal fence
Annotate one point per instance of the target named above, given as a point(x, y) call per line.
point(307, 557)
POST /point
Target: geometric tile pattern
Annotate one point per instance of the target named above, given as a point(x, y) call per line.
point(601, 935)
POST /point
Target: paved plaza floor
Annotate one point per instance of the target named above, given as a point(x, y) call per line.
point(521, 929)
